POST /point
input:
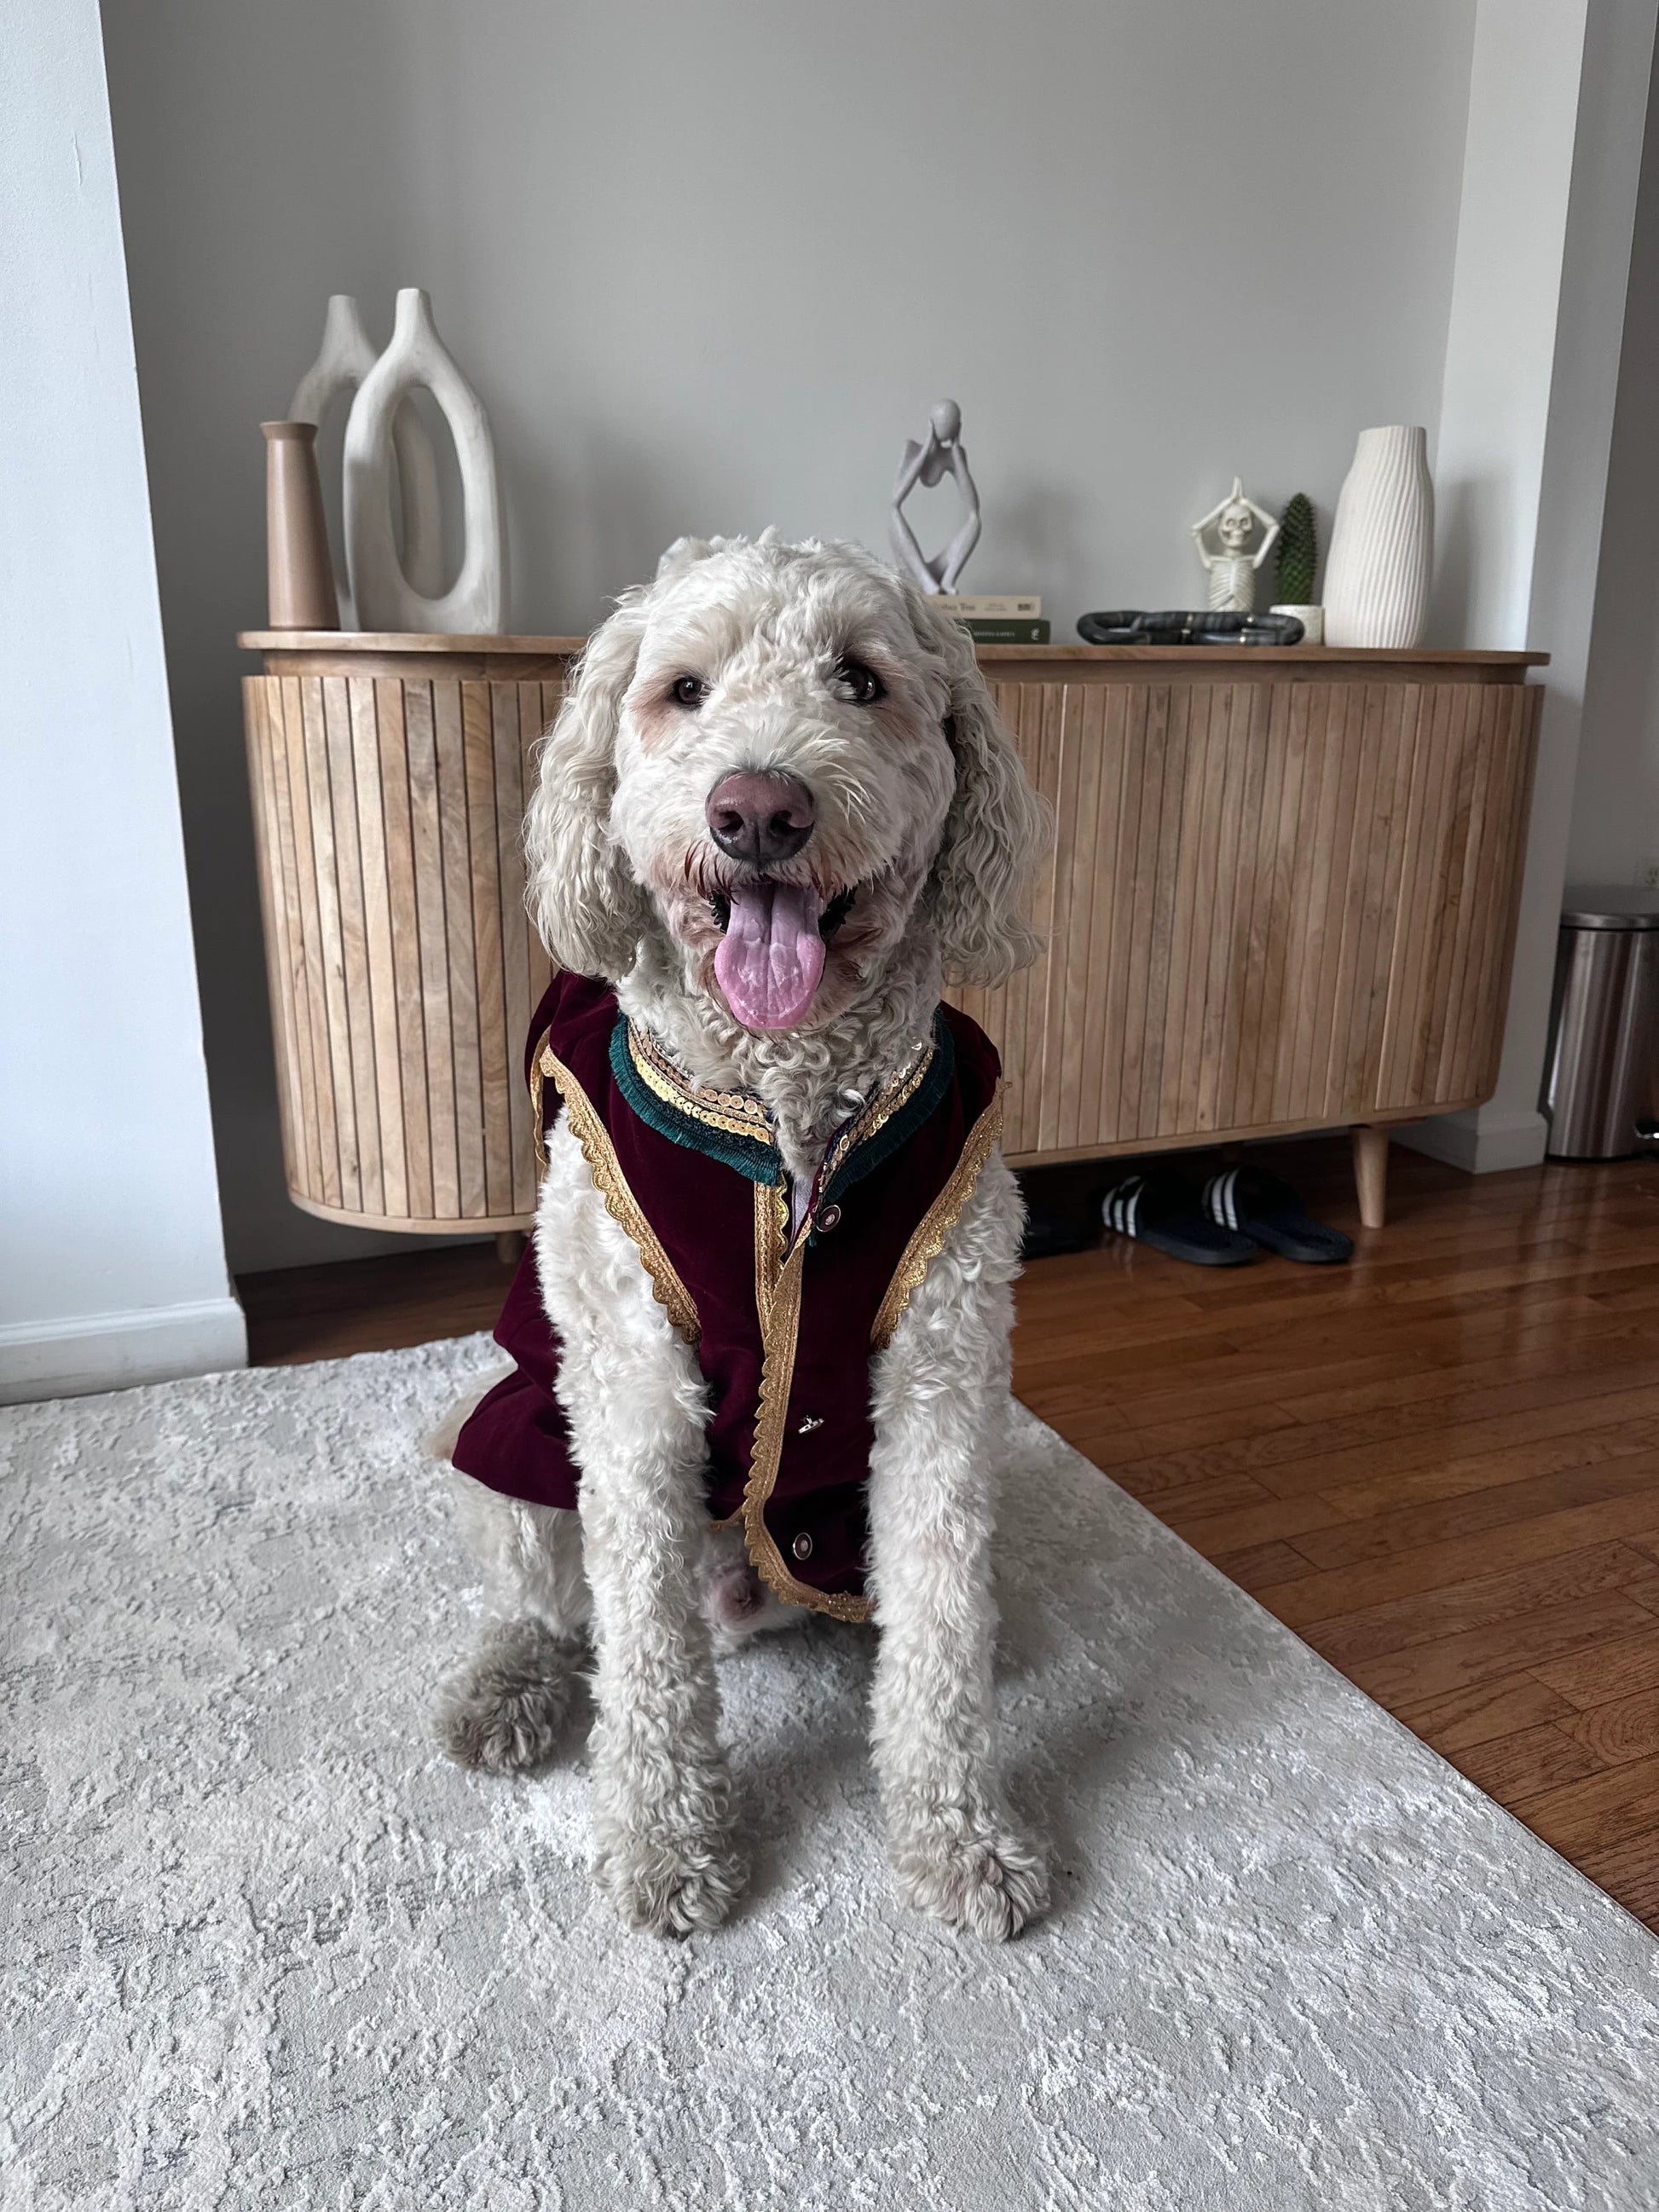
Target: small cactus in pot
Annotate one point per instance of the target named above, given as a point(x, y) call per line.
point(1299, 551)
point(1297, 554)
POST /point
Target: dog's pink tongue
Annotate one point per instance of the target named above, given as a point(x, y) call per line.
point(771, 956)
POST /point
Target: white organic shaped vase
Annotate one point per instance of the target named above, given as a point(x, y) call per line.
point(386, 599)
point(343, 360)
point(1377, 575)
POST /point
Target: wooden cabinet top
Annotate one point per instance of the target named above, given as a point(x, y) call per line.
point(377, 652)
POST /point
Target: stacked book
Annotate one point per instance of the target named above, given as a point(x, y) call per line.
point(998, 618)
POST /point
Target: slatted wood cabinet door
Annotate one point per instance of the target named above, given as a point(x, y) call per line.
point(1282, 895)
point(1270, 906)
point(402, 967)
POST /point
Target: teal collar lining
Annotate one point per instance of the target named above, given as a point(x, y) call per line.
point(760, 1162)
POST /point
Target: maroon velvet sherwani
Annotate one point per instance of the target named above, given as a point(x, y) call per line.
point(784, 1328)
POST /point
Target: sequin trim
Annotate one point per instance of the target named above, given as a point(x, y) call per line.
point(737, 1113)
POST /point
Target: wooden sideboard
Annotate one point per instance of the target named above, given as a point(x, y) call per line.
point(1282, 896)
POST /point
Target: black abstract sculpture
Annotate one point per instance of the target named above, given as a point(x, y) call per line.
point(1210, 626)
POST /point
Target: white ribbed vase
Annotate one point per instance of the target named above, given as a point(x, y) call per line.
point(1377, 575)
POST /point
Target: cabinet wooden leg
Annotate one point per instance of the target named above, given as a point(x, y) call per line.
point(509, 1247)
point(1371, 1171)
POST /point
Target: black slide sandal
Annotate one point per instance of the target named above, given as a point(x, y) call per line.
point(1161, 1210)
point(1264, 1207)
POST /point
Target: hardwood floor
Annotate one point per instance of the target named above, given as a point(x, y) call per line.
point(1438, 1464)
point(296, 1314)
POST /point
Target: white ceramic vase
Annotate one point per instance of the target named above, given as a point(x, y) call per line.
point(1376, 573)
point(387, 599)
point(343, 360)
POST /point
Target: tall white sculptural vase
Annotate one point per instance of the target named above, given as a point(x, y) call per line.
point(343, 360)
point(1376, 573)
point(386, 598)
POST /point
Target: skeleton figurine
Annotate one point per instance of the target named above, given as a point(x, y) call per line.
point(1232, 570)
point(929, 464)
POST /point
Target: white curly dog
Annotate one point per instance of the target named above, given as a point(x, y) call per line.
point(777, 812)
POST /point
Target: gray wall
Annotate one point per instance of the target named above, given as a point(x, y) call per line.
point(709, 264)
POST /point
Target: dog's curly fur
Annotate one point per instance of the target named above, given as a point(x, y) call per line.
point(924, 812)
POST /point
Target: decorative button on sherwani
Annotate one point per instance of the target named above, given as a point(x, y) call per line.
point(802, 1546)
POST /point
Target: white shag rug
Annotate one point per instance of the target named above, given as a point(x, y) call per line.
point(266, 1948)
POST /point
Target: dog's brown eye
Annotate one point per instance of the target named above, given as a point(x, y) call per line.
point(690, 690)
point(857, 682)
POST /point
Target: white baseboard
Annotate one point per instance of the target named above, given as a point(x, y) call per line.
point(83, 1352)
point(1483, 1140)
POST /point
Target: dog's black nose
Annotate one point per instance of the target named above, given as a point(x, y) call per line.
point(760, 819)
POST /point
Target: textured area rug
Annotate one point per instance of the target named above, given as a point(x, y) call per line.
point(266, 1948)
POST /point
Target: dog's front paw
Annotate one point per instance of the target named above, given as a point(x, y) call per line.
point(669, 1884)
point(973, 1873)
point(505, 1711)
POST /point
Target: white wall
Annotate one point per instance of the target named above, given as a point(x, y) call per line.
point(112, 1260)
point(1506, 290)
point(1558, 113)
point(709, 264)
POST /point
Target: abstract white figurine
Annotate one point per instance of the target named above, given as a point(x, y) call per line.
point(928, 464)
point(387, 599)
point(343, 360)
point(1232, 570)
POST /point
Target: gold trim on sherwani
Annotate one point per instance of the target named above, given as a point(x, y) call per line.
point(739, 1123)
point(771, 1239)
point(777, 1374)
point(778, 1303)
point(927, 1241)
point(611, 1184)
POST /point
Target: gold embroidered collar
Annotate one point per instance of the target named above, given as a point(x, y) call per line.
point(737, 1127)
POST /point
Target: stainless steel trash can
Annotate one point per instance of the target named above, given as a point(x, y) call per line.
point(1601, 1073)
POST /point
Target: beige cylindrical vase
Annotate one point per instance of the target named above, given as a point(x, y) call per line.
point(301, 575)
point(1377, 577)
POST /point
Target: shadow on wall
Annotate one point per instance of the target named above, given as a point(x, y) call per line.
point(1615, 816)
point(1453, 562)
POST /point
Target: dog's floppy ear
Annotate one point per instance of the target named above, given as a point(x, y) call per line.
point(684, 553)
point(996, 830)
point(580, 892)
